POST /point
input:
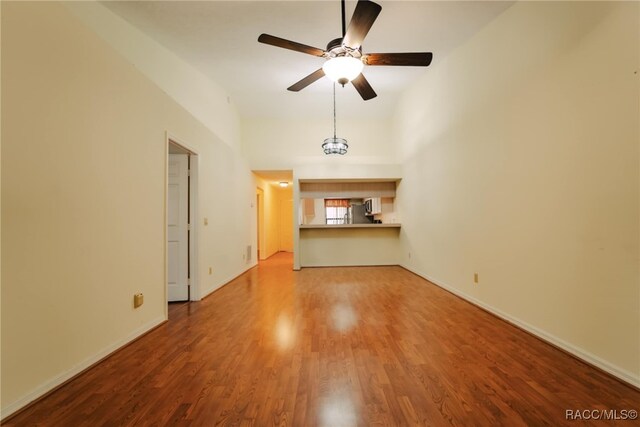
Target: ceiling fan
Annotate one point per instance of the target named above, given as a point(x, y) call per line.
point(344, 57)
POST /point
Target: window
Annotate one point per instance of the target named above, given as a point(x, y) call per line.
point(336, 211)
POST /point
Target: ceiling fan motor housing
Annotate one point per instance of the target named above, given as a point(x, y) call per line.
point(335, 48)
point(334, 44)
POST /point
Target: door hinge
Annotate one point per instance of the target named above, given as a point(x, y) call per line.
point(189, 282)
point(188, 227)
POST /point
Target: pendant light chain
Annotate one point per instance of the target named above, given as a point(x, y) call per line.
point(334, 110)
point(335, 145)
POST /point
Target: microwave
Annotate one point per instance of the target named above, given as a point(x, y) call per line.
point(372, 206)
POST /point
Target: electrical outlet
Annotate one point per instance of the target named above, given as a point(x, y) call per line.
point(475, 278)
point(409, 255)
point(138, 300)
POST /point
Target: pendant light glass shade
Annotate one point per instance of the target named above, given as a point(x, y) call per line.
point(335, 145)
point(342, 69)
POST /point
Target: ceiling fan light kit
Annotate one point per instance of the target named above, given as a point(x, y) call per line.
point(343, 69)
point(344, 58)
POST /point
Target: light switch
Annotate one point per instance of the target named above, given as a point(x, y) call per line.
point(206, 221)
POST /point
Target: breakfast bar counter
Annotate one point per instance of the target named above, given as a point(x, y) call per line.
point(323, 245)
point(335, 226)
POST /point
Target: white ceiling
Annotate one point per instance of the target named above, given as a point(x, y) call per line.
point(220, 39)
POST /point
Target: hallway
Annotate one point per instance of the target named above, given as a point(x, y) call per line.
point(331, 347)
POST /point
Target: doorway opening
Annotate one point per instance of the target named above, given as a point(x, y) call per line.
point(275, 213)
point(180, 213)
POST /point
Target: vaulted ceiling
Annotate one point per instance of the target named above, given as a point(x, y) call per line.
point(220, 39)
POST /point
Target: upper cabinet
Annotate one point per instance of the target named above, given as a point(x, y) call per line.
point(347, 190)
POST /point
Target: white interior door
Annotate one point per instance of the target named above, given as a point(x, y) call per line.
point(177, 228)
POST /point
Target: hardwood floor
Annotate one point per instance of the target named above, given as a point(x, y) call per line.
point(332, 347)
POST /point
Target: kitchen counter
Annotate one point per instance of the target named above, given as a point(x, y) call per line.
point(335, 226)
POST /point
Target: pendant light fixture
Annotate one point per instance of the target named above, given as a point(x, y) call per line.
point(335, 145)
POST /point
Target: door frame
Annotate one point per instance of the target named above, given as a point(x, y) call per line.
point(194, 161)
point(260, 242)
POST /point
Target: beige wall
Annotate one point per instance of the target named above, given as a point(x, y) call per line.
point(202, 97)
point(284, 144)
point(83, 193)
point(521, 163)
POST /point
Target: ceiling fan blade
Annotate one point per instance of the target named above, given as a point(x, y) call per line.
point(288, 44)
point(363, 87)
point(417, 59)
point(318, 74)
point(363, 18)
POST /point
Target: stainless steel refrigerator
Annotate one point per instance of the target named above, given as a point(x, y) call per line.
point(357, 215)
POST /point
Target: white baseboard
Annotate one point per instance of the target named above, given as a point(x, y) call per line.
point(56, 381)
point(207, 292)
point(620, 373)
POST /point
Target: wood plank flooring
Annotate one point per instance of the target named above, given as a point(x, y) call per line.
point(361, 346)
